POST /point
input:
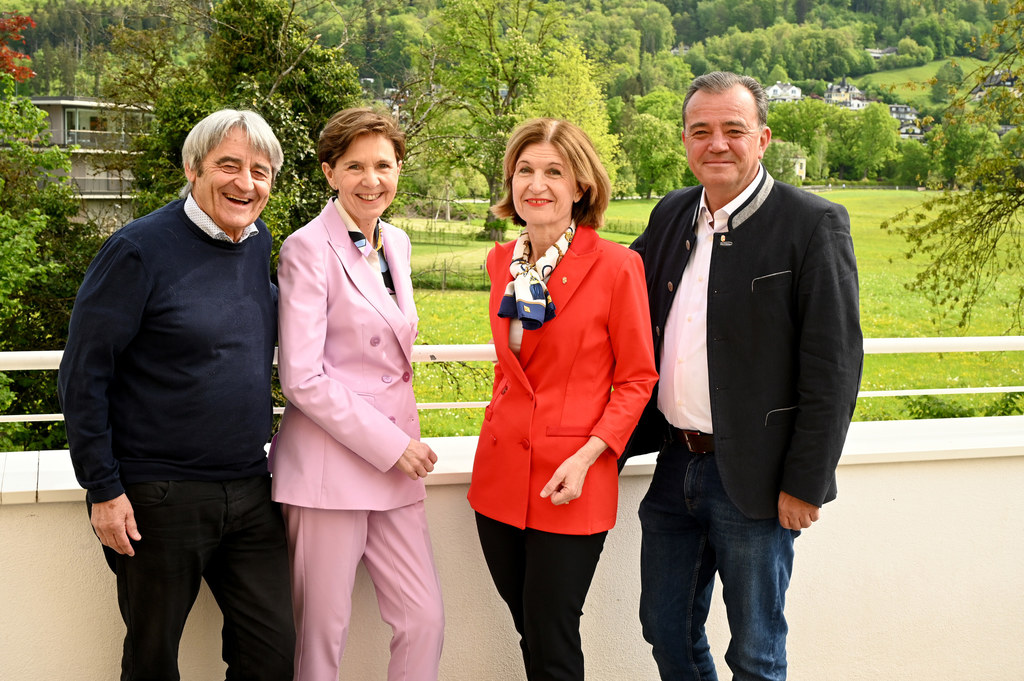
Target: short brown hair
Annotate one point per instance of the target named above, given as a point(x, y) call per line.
point(578, 153)
point(348, 124)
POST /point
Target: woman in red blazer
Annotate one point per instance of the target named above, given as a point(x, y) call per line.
point(572, 334)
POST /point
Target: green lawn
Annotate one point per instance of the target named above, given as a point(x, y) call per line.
point(911, 84)
point(888, 309)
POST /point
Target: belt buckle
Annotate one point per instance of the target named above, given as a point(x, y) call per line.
point(694, 441)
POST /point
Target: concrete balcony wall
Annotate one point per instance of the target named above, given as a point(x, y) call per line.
point(915, 573)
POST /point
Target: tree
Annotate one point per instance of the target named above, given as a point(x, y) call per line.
point(656, 154)
point(805, 123)
point(780, 160)
point(968, 241)
point(570, 91)
point(43, 256)
point(11, 26)
point(493, 53)
point(259, 55)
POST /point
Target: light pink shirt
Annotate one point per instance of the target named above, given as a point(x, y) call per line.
point(683, 390)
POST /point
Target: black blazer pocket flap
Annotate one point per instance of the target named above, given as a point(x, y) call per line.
point(767, 282)
point(780, 417)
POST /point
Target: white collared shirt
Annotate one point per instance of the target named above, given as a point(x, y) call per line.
point(684, 395)
point(206, 223)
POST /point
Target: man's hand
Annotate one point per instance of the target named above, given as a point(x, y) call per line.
point(114, 523)
point(795, 514)
point(417, 460)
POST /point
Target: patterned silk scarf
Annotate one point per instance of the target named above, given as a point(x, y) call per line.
point(526, 296)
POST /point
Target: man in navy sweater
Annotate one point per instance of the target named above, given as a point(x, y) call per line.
point(165, 388)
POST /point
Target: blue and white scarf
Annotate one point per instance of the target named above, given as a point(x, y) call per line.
point(526, 296)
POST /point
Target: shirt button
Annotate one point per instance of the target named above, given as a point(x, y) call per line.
point(386, 379)
point(406, 376)
point(689, 317)
point(375, 341)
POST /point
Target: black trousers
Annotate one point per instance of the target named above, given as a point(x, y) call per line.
point(230, 534)
point(543, 578)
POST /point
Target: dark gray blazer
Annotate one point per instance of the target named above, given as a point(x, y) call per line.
point(785, 348)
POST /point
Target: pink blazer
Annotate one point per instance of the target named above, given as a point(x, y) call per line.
point(345, 367)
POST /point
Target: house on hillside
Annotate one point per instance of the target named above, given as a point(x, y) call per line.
point(783, 92)
point(98, 133)
point(846, 95)
point(904, 113)
point(910, 130)
point(877, 53)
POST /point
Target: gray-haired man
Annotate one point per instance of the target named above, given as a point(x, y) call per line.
point(165, 387)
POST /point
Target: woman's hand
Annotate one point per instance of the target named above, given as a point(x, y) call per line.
point(567, 482)
point(417, 460)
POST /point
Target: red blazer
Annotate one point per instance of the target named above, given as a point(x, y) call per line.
point(559, 391)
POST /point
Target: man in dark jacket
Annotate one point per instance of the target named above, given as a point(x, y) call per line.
point(165, 387)
point(754, 308)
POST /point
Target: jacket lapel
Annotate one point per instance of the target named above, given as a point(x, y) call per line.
point(565, 280)
point(367, 280)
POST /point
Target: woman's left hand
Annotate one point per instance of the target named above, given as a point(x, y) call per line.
point(567, 482)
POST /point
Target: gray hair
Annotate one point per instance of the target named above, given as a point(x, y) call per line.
point(718, 82)
point(212, 130)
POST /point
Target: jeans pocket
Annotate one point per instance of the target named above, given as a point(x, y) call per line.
point(148, 493)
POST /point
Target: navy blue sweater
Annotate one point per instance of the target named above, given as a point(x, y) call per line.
point(166, 374)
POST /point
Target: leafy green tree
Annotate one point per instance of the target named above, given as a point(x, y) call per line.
point(780, 159)
point(913, 164)
point(969, 241)
point(43, 256)
point(956, 142)
point(806, 123)
point(655, 152)
point(259, 55)
point(570, 91)
point(948, 79)
point(494, 52)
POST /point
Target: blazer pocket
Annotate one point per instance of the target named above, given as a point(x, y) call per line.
point(568, 431)
point(783, 279)
point(780, 417)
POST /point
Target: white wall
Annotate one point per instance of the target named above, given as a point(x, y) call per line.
point(915, 573)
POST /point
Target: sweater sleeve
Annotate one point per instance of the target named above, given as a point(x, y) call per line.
point(106, 317)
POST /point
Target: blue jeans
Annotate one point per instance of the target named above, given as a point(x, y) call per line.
point(691, 530)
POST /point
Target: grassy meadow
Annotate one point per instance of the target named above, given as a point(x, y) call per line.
point(888, 309)
point(912, 84)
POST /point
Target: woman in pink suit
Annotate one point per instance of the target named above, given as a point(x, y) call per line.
point(348, 465)
point(569, 319)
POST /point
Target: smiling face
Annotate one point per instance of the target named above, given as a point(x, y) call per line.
point(724, 142)
point(232, 184)
point(365, 177)
point(544, 190)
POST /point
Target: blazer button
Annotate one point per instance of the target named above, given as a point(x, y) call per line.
point(406, 376)
point(525, 443)
point(375, 341)
point(670, 286)
point(386, 379)
point(392, 419)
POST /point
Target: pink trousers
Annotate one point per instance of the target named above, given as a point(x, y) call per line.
point(325, 547)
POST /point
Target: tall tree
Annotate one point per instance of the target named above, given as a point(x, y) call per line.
point(494, 52)
point(655, 152)
point(43, 256)
point(259, 55)
point(969, 241)
point(570, 91)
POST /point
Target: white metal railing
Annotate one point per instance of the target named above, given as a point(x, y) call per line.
point(48, 360)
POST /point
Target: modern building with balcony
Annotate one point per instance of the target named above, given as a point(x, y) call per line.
point(98, 134)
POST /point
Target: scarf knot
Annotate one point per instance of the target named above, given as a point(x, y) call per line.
point(526, 296)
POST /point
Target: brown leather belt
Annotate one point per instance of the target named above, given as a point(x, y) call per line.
point(694, 440)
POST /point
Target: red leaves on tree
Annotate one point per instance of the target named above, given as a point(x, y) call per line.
point(11, 26)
